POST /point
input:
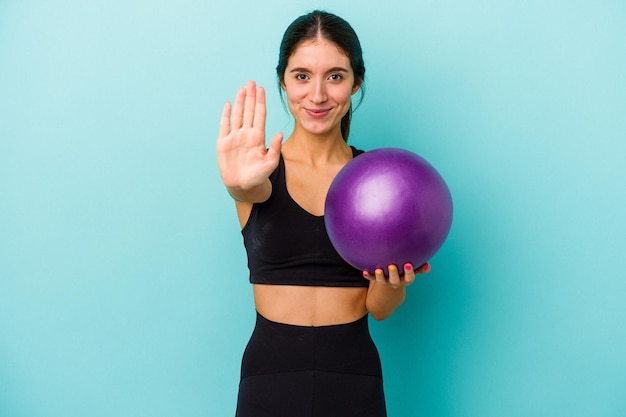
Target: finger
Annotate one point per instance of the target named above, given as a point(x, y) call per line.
point(424, 269)
point(260, 109)
point(273, 151)
point(409, 274)
point(225, 120)
point(249, 104)
point(237, 112)
point(394, 276)
point(368, 276)
point(380, 276)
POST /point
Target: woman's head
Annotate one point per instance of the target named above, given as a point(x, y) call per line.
point(328, 28)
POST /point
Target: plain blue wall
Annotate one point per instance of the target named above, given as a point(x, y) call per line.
point(123, 287)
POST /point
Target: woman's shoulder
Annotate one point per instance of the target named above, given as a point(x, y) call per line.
point(356, 151)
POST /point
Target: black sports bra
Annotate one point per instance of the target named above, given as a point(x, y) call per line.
point(288, 245)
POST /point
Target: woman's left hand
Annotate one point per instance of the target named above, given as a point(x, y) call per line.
point(395, 279)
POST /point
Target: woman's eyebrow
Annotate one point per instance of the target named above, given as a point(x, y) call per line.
point(333, 69)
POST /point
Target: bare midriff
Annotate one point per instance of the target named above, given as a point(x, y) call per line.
point(310, 306)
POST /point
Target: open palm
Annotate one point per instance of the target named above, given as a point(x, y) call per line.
point(243, 158)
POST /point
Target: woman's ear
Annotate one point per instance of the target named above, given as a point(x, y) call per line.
point(357, 85)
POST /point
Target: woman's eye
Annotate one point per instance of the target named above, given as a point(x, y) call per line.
point(301, 77)
point(336, 77)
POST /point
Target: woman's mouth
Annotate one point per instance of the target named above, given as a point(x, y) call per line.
point(317, 113)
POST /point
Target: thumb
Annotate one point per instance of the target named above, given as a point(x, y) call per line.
point(275, 145)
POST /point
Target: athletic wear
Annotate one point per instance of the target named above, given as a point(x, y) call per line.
point(301, 371)
point(290, 246)
point(304, 371)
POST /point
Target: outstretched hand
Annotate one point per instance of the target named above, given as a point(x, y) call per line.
point(395, 279)
point(242, 156)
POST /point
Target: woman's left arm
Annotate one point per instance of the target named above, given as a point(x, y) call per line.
point(387, 293)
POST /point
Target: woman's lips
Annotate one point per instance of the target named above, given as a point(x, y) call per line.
point(317, 113)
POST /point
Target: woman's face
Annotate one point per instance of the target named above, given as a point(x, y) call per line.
point(319, 82)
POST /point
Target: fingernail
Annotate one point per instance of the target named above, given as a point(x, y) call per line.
point(408, 267)
point(392, 268)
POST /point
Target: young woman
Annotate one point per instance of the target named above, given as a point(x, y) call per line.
point(311, 353)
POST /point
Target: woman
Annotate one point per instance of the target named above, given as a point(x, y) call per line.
point(311, 353)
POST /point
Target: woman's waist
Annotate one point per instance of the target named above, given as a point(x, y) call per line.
point(276, 348)
point(310, 306)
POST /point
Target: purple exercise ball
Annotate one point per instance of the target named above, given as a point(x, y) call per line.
point(388, 206)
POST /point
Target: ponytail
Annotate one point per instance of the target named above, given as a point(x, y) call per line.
point(345, 124)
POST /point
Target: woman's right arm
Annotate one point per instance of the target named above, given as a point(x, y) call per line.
point(244, 161)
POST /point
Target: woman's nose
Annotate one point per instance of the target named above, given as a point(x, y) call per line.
point(318, 92)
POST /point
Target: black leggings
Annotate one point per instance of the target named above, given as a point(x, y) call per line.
point(301, 371)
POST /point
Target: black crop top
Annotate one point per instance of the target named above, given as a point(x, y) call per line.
point(288, 245)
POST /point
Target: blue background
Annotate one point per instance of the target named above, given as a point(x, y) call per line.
point(123, 284)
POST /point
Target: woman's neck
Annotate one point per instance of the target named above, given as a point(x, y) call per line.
point(316, 149)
